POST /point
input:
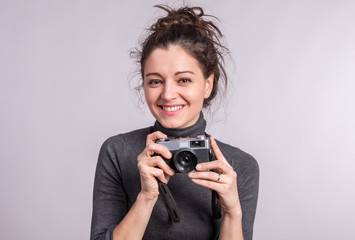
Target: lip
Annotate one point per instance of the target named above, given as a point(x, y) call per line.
point(171, 113)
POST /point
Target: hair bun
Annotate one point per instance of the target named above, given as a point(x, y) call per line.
point(183, 16)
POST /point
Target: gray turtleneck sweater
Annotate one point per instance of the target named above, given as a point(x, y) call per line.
point(117, 184)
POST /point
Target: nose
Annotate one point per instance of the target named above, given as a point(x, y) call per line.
point(168, 91)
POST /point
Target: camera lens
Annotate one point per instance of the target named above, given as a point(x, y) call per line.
point(185, 161)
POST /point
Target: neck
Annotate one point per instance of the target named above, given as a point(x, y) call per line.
point(193, 131)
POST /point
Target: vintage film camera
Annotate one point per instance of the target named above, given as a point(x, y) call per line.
point(187, 152)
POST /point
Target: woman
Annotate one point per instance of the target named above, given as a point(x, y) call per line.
point(181, 65)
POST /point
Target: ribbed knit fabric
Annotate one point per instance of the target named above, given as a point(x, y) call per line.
point(193, 131)
point(117, 184)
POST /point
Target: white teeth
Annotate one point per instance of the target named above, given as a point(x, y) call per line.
point(172, 109)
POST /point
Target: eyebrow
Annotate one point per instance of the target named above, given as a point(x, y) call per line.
point(159, 75)
point(153, 74)
point(182, 72)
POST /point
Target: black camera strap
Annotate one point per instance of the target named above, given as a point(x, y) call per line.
point(169, 202)
point(216, 206)
point(173, 212)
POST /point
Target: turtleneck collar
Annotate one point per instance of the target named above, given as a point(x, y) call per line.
point(193, 131)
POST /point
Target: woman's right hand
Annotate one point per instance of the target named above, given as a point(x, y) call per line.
point(152, 166)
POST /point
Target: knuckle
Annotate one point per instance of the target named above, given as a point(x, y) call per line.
point(229, 182)
point(140, 164)
point(159, 134)
point(156, 160)
point(143, 170)
point(154, 135)
point(152, 159)
point(150, 138)
point(219, 163)
point(161, 160)
point(234, 174)
point(149, 145)
point(150, 135)
point(159, 172)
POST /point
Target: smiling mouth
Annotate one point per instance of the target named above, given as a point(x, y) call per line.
point(172, 109)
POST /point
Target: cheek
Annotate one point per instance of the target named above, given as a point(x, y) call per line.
point(148, 95)
point(151, 95)
point(195, 95)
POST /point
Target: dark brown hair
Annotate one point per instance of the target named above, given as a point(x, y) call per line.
point(187, 27)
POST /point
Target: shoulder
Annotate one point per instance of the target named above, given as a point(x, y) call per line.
point(125, 140)
point(239, 159)
point(121, 149)
point(128, 137)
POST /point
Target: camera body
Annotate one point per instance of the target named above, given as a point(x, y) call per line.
point(187, 152)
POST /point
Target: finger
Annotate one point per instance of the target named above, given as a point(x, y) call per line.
point(217, 152)
point(213, 165)
point(151, 138)
point(154, 162)
point(158, 173)
point(154, 148)
point(157, 161)
point(208, 184)
point(211, 176)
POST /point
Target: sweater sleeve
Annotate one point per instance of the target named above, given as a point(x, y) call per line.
point(109, 197)
point(248, 186)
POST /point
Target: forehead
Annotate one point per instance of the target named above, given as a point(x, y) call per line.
point(173, 58)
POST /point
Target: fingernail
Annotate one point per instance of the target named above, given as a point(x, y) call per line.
point(198, 166)
point(169, 154)
point(191, 174)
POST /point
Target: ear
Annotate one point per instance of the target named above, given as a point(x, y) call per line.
point(209, 85)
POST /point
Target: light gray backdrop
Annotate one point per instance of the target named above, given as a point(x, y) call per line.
point(65, 70)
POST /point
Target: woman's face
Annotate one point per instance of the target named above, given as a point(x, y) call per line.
point(175, 87)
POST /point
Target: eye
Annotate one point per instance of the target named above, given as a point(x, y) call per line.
point(154, 82)
point(184, 80)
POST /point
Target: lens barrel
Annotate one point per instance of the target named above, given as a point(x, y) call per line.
point(185, 160)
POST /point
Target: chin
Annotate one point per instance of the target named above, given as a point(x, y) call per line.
point(175, 123)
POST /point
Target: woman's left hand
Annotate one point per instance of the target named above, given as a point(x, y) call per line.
point(224, 183)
